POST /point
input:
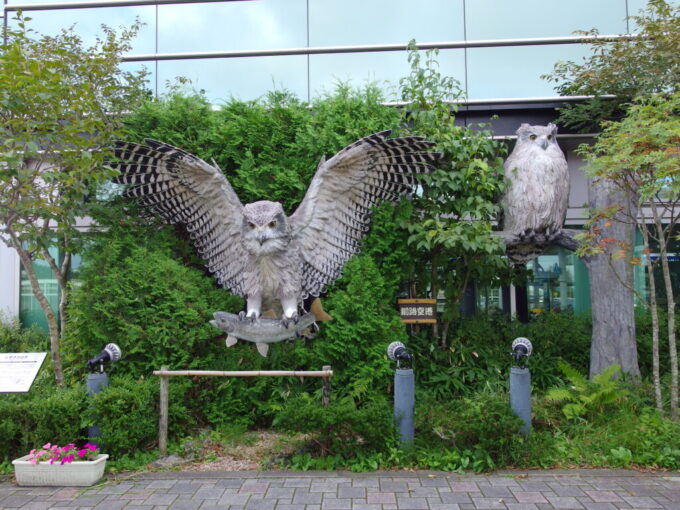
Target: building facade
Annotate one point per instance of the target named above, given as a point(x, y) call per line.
point(496, 49)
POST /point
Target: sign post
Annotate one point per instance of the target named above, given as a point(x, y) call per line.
point(18, 370)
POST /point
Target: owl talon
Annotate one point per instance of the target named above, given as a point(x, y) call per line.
point(252, 317)
point(286, 320)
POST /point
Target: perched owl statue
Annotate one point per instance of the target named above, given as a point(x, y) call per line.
point(275, 261)
point(537, 195)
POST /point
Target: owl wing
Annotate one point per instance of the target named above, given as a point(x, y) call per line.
point(334, 216)
point(183, 189)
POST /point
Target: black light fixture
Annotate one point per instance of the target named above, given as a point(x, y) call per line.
point(110, 353)
point(396, 351)
point(521, 350)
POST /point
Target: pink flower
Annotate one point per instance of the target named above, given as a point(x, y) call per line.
point(91, 447)
point(34, 461)
point(47, 446)
point(82, 453)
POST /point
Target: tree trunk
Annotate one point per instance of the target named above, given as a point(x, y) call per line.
point(670, 305)
point(51, 317)
point(656, 369)
point(434, 286)
point(613, 340)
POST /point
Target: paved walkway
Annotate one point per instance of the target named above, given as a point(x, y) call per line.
point(286, 490)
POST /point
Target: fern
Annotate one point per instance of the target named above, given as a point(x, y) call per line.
point(583, 398)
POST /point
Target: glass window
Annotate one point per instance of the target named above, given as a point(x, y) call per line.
point(87, 23)
point(232, 26)
point(240, 78)
point(552, 282)
point(334, 23)
point(33, 1)
point(516, 71)
point(489, 299)
point(384, 68)
point(500, 19)
point(150, 67)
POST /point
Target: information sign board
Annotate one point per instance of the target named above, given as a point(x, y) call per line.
point(18, 370)
point(417, 311)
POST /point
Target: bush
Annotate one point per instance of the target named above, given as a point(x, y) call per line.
point(364, 323)
point(342, 428)
point(14, 338)
point(127, 413)
point(47, 414)
point(135, 291)
point(478, 356)
point(482, 422)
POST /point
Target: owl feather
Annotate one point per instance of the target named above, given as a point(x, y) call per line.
point(255, 250)
point(536, 198)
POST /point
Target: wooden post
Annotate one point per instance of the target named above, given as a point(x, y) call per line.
point(326, 399)
point(163, 418)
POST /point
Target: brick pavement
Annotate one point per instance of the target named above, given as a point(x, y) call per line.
point(286, 490)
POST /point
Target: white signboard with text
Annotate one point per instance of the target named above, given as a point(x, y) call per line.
point(18, 370)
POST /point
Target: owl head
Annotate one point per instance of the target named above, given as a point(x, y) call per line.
point(264, 229)
point(538, 136)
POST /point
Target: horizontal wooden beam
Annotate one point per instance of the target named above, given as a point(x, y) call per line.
point(244, 373)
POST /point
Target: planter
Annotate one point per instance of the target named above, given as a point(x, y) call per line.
point(76, 474)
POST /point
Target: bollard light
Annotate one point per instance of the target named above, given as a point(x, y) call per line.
point(520, 383)
point(97, 380)
point(404, 391)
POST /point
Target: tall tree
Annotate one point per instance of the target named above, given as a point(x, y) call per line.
point(646, 64)
point(450, 229)
point(640, 158)
point(60, 104)
point(638, 66)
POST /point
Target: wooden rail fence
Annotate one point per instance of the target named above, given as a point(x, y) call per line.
point(164, 373)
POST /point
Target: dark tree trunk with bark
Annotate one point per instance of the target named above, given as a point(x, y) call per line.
point(613, 338)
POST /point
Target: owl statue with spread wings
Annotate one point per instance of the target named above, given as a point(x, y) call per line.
point(257, 251)
point(536, 198)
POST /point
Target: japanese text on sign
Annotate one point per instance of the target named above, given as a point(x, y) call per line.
point(18, 370)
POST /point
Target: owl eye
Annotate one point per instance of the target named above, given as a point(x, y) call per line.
point(251, 225)
point(550, 137)
point(272, 224)
point(532, 137)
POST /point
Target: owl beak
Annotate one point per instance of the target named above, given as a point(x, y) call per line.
point(261, 238)
point(543, 142)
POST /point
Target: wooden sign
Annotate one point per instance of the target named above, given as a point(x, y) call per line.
point(18, 370)
point(418, 311)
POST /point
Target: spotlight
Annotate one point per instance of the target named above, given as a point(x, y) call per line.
point(396, 351)
point(110, 353)
point(521, 349)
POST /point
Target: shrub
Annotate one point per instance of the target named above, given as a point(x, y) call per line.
point(482, 422)
point(478, 357)
point(45, 415)
point(14, 338)
point(364, 323)
point(342, 428)
point(127, 413)
point(135, 291)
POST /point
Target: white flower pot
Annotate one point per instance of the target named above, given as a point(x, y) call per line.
point(76, 474)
